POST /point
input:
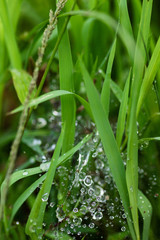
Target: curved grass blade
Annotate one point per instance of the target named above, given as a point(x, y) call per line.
point(109, 142)
point(36, 216)
point(145, 208)
point(123, 112)
point(23, 197)
point(48, 96)
point(150, 74)
point(105, 94)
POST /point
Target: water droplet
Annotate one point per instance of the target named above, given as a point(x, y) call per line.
point(123, 229)
point(25, 173)
point(77, 221)
point(91, 191)
point(41, 122)
point(52, 204)
point(131, 189)
point(91, 225)
point(60, 214)
point(88, 180)
point(45, 166)
point(45, 197)
point(75, 210)
point(98, 215)
point(36, 142)
point(99, 164)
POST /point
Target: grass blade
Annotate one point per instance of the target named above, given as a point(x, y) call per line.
point(105, 94)
point(23, 197)
point(36, 216)
point(150, 74)
point(66, 83)
point(124, 16)
point(10, 40)
point(145, 208)
point(132, 147)
point(48, 96)
point(108, 141)
point(123, 112)
point(114, 87)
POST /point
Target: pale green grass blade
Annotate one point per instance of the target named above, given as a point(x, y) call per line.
point(53, 94)
point(21, 80)
point(23, 197)
point(66, 83)
point(105, 94)
point(10, 40)
point(124, 16)
point(14, 11)
point(145, 208)
point(150, 74)
point(143, 140)
point(108, 141)
point(36, 216)
point(114, 87)
point(123, 112)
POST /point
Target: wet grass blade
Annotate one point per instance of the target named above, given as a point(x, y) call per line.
point(108, 141)
point(150, 74)
point(66, 83)
point(36, 216)
point(123, 112)
point(23, 197)
point(132, 147)
point(53, 94)
point(145, 208)
point(105, 94)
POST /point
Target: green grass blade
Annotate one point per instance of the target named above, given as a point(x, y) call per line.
point(48, 96)
point(124, 16)
point(108, 141)
point(23, 197)
point(105, 94)
point(10, 40)
point(123, 112)
point(132, 147)
point(150, 74)
point(114, 87)
point(66, 83)
point(145, 208)
point(14, 11)
point(36, 216)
